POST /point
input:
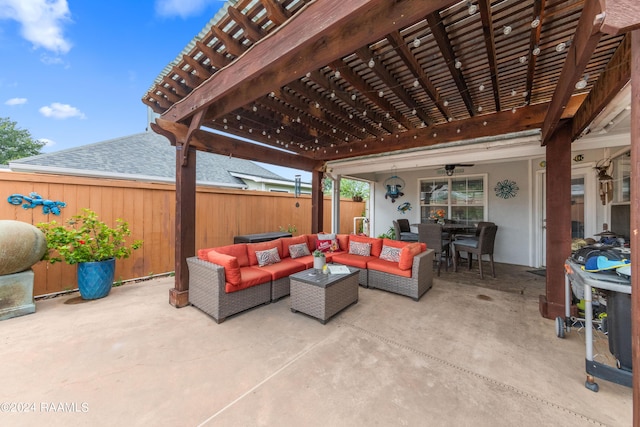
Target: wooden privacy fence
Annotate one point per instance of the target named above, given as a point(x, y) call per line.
point(149, 208)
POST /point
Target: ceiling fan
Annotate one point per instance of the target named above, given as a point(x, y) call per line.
point(451, 167)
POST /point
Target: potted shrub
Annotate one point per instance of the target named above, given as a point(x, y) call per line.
point(319, 260)
point(93, 245)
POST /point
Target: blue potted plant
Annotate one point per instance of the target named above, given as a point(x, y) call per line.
point(93, 245)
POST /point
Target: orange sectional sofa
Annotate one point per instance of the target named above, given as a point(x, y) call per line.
point(229, 279)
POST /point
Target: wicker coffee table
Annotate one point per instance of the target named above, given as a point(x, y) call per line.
point(323, 295)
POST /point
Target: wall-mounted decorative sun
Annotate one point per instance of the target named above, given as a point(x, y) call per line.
point(506, 189)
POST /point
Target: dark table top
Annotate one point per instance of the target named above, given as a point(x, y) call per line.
point(320, 279)
point(260, 237)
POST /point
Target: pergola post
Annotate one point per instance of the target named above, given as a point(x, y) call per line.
point(558, 195)
point(185, 224)
point(317, 201)
point(635, 221)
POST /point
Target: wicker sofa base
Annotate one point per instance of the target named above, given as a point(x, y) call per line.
point(415, 286)
point(207, 286)
point(207, 291)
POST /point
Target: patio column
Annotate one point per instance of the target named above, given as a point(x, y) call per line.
point(558, 216)
point(335, 205)
point(317, 202)
point(635, 221)
point(185, 225)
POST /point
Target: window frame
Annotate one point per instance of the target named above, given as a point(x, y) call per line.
point(448, 205)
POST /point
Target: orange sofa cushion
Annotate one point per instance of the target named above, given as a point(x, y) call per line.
point(262, 246)
point(376, 244)
point(357, 261)
point(408, 252)
point(284, 268)
point(238, 250)
point(388, 267)
point(343, 241)
point(394, 243)
point(230, 264)
point(251, 276)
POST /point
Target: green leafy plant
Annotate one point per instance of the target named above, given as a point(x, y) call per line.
point(318, 254)
point(289, 229)
point(84, 238)
point(391, 234)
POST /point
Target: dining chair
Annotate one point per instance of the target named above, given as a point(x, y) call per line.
point(432, 235)
point(403, 231)
point(484, 245)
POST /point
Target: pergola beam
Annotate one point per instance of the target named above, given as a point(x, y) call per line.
point(499, 123)
point(310, 41)
point(614, 77)
point(226, 146)
point(585, 41)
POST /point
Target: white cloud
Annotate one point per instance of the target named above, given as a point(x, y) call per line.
point(47, 142)
point(41, 21)
point(182, 8)
point(16, 101)
point(61, 111)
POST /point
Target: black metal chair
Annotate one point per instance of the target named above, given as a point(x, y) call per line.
point(403, 231)
point(432, 235)
point(482, 246)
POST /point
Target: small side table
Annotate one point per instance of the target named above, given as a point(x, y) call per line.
point(323, 295)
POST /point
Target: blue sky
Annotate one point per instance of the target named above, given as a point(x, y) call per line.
point(74, 72)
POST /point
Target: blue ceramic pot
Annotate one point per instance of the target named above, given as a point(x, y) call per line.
point(95, 278)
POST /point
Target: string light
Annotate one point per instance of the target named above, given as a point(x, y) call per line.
point(522, 59)
point(536, 22)
point(536, 50)
point(445, 103)
point(561, 46)
point(416, 43)
point(506, 30)
point(337, 74)
point(472, 8)
point(458, 64)
point(372, 63)
point(481, 87)
point(582, 83)
point(513, 92)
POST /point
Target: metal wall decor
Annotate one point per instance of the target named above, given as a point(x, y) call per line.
point(403, 208)
point(394, 185)
point(506, 189)
point(34, 200)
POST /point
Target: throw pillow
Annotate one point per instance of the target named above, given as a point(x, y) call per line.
point(270, 256)
point(358, 248)
point(299, 250)
point(327, 245)
point(390, 253)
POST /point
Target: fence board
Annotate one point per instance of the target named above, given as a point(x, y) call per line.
point(149, 208)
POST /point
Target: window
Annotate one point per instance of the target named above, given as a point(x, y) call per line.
point(465, 202)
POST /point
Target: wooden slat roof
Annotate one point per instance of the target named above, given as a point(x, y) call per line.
point(429, 72)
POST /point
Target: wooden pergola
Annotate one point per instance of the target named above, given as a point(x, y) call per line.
point(316, 81)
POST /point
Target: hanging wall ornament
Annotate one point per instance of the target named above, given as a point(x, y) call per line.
point(506, 189)
point(403, 208)
point(394, 185)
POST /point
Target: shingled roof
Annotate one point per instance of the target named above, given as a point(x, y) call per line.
point(148, 157)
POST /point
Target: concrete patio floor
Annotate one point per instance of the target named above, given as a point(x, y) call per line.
point(470, 352)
